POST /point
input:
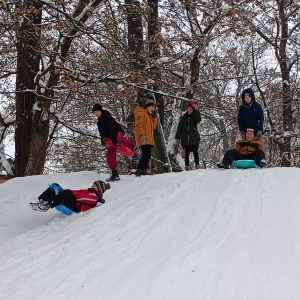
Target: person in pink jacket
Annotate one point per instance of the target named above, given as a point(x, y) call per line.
point(75, 200)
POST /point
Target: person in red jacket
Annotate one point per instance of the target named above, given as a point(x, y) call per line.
point(75, 200)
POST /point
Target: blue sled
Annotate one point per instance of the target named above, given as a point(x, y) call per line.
point(62, 208)
point(244, 164)
point(56, 189)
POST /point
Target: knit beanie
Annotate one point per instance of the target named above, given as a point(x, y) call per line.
point(251, 130)
point(97, 106)
point(196, 102)
point(149, 102)
point(102, 186)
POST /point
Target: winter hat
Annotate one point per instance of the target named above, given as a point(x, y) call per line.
point(102, 186)
point(150, 103)
point(149, 100)
point(97, 106)
point(250, 130)
point(196, 102)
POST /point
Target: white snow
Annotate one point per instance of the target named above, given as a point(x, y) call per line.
point(7, 119)
point(35, 106)
point(197, 235)
point(226, 7)
point(4, 161)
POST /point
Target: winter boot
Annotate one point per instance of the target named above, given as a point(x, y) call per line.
point(43, 205)
point(34, 206)
point(222, 166)
point(198, 167)
point(145, 172)
point(139, 173)
point(187, 168)
point(114, 176)
point(261, 163)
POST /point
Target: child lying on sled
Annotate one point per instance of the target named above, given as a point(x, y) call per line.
point(75, 200)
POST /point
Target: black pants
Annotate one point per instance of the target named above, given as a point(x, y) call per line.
point(145, 157)
point(231, 155)
point(188, 150)
point(65, 197)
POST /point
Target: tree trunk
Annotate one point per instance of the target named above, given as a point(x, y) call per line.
point(136, 47)
point(28, 59)
point(161, 163)
point(39, 139)
point(135, 35)
point(286, 92)
point(194, 69)
point(33, 122)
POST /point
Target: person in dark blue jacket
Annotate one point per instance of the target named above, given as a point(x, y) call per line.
point(250, 114)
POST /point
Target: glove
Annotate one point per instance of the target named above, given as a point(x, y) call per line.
point(177, 141)
point(100, 199)
point(194, 106)
point(243, 134)
point(143, 139)
point(259, 134)
point(155, 113)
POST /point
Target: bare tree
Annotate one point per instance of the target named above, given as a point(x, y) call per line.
point(277, 22)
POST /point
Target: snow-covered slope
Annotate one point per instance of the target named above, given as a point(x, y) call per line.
point(205, 234)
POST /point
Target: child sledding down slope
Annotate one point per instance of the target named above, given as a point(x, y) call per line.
point(75, 200)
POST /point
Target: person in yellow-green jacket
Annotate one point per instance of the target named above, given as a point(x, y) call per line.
point(145, 123)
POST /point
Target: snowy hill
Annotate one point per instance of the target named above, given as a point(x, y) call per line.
point(198, 235)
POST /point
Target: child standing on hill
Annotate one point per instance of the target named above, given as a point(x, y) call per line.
point(109, 128)
point(188, 133)
point(250, 114)
point(145, 123)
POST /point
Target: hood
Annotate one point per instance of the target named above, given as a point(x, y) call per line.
point(104, 113)
point(249, 91)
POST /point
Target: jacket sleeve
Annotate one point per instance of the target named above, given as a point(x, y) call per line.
point(240, 120)
point(261, 147)
point(110, 123)
point(197, 116)
point(99, 129)
point(238, 146)
point(179, 129)
point(139, 123)
point(260, 125)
